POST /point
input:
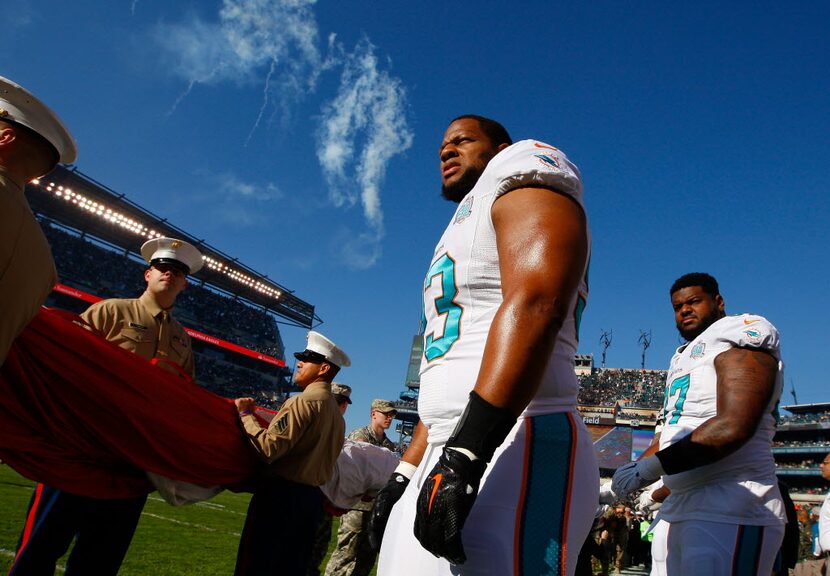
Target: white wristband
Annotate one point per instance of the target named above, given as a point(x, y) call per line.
point(406, 469)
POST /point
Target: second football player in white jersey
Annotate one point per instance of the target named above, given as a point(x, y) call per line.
point(506, 474)
point(724, 511)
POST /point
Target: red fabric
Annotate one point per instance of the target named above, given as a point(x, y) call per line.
point(83, 415)
point(331, 509)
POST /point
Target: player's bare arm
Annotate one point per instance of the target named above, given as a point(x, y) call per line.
point(543, 243)
point(653, 447)
point(417, 446)
point(746, 379)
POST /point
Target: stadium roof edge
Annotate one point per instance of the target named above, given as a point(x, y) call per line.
point(796, 408)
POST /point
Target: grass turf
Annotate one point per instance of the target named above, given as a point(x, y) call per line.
point(196, 540)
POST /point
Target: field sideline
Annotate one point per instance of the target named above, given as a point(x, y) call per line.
point(196, 540)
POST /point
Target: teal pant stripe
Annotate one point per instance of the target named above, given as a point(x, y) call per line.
point(748, 550)
point(543, 513)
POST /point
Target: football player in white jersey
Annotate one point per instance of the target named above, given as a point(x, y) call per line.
point(724, 511)
point(504, 479)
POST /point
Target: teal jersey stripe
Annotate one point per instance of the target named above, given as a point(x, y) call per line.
point(748, 550)
point(542, 526)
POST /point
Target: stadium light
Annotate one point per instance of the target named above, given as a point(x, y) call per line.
point(110, 215)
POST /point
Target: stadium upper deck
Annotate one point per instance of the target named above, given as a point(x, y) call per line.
point(801, 442)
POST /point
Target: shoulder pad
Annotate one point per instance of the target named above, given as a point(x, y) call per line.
point(533, 163)
point(748, 331)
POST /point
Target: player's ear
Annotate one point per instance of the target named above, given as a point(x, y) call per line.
point(502, 146)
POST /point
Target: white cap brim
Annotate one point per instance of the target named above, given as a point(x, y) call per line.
point(19, 106)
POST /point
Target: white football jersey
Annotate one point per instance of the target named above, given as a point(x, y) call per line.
point(824, 526)
point(462, 291)
point(741, 487)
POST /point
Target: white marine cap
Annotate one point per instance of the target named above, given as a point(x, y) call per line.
point(173, 251)
point(320, 348)
point(19, 106)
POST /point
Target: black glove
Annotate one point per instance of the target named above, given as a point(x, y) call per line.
point(444, 503)
point(384, 501)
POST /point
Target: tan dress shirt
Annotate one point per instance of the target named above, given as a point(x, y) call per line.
point(27, 271)
point(142, 327)
point(305, 437)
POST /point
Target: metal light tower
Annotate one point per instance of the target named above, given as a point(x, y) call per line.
point(644, 341)
point(605, 340)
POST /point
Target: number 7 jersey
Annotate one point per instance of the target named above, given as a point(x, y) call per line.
point(462, 292)
point(743, 484)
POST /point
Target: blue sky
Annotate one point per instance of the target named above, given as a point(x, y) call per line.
point(302, 138)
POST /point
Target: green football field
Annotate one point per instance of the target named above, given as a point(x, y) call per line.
point(198, 540)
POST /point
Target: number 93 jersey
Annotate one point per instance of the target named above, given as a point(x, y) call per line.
point(743, 484)
point(462, 292)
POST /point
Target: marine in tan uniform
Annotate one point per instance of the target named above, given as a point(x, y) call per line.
point(354, 555)
point(103, 529)
point(145, 325)
point(299, 447)
point(32, 141)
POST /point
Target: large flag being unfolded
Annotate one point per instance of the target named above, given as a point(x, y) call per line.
point(83, 415)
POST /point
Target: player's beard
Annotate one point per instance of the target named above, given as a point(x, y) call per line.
point(456, 191)
point(693, 333)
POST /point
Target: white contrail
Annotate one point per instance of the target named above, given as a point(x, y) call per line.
point(275, 42)
point(363, 127)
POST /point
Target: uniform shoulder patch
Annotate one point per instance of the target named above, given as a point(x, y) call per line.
point(282, 424)
point(753, 336)
point(464, 210)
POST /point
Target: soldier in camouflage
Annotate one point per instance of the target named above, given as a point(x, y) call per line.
point(353, 555)
point(342, 393)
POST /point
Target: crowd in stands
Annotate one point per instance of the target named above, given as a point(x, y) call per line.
point(631, 415)
point(109, 274)
point(815, 443)
point(812, 490)
point(631, 387)
point(806, 464)
point(242, 324)
point(805, 418)
point(91, 268)
point(597, 409)
point(233, 381)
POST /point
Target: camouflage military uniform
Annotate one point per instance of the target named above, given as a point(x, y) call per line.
point(353, 555)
